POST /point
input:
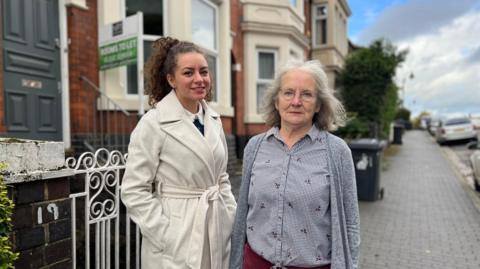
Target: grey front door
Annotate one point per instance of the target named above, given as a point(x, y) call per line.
point(31, 68)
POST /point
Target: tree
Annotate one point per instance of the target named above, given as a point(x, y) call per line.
point(367, 86)
point(417, 121)
point(403, 113)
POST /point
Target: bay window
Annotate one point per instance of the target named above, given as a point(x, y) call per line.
point(319, 22)
point(267, 61)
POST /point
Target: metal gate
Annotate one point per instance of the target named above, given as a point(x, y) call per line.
point(103, 236)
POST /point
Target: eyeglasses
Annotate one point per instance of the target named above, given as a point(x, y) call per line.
point(305, 95)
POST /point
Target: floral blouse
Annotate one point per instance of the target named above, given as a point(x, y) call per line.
point(288, 220)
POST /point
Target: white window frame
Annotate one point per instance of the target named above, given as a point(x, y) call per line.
point(131, 96)
point(316, 17)
point(263, 81)
point(214, 52)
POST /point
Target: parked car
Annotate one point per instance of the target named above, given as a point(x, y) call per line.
point(455, 128)
point(475, 161)
point(476, 122)
point(432, 126)
point(425, 122)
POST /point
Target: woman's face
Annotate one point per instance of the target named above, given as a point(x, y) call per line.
point(191, 79)
point(297, 100)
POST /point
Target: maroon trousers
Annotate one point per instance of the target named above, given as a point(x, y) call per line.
point(252, 260)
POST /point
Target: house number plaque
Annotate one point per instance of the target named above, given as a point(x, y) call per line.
point(28, 83)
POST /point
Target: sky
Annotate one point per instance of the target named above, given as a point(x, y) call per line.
point(441, 73)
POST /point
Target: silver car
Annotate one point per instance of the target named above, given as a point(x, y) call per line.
point(456, 128)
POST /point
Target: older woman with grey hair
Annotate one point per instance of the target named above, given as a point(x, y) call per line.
point(298, 200)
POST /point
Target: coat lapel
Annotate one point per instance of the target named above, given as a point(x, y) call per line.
point(176, 124)
point(212, 126)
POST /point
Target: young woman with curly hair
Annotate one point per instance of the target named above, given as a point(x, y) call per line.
point(175, 186)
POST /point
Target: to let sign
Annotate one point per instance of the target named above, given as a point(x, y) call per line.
point(119, 53)
point(118, 43)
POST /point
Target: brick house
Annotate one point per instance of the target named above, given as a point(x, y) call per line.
point(52, 87)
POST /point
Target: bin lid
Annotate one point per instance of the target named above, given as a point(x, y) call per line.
point(367, 143)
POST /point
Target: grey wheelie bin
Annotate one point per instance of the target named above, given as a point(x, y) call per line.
point(367, 155)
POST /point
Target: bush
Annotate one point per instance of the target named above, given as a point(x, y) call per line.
point(367, 87)
point(355, 128)
point(403, 113)
point(7, 255)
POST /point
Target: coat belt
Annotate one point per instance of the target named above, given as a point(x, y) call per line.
point(206, 224)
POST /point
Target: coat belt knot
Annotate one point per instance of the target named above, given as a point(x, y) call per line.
point(206, 225)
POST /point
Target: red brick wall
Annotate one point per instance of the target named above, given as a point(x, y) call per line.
point(227, 125)
point(256, 128)
point(83, 61)
point(236, 13)
point(2, 95)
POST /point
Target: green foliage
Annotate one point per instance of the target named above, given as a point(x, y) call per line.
point(417, 120)
point(355, 128)
point(403, 113)
point(367, 85)
point(389, 109)
point(7, 256)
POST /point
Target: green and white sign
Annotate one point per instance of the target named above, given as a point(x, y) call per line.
point(118, 53)
point(121, 43)
point(118, 42)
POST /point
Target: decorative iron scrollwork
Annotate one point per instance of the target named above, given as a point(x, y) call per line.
point(102, 158)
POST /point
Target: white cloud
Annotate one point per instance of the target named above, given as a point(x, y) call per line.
point(401, 21)
point(444, 52)
point(446, 68)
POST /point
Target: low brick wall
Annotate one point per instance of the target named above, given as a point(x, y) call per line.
point(39, 186)
point(42, 223)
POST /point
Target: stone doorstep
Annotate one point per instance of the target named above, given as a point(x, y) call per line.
point(23, 156)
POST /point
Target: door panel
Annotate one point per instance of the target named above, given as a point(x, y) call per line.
point(25, 63)
point(32, 69)
point(16, 102)
point(47, 116)
point(44, 25)
point(14, 28)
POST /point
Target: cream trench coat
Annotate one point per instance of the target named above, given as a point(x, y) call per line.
point(186, 217)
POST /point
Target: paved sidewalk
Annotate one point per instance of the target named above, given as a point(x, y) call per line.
point(426, 219)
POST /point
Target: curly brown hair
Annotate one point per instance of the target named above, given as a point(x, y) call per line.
point(162, 62)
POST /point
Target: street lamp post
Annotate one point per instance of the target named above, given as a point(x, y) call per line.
point(404, 80)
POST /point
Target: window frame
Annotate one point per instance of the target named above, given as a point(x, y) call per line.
point(263, 81)
point(316, 18)
point(144, 37)
point(215, 51)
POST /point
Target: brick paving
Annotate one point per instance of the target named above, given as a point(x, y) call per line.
point(426, 219)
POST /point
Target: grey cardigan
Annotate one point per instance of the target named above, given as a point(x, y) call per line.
point(344, 206)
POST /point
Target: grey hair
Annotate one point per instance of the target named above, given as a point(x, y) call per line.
point(332, 113)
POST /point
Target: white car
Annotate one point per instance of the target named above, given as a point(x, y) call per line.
point(475, 161)
point(476, 122)
point(456, 128)
point(432, 126)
